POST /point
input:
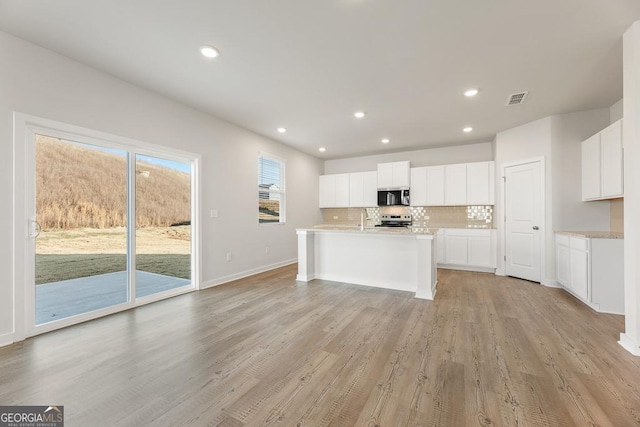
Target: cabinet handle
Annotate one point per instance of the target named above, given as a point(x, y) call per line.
point(535, 227)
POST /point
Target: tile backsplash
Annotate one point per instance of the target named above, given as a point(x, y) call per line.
point(616, 215)
point(430, 216)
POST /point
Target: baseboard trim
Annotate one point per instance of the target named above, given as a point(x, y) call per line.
point(467, 268)
point(7, 339)
point(629, 344)
point(429, 295)
point(305, 278)
point(552, 284)
point(500, 272)
point(237, 276)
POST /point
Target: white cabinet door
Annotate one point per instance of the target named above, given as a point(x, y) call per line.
point(440, 246)
point(401, 174)
point(334, 191)
point(455, 184)
point(385, 175)
point(580, 273)
point(418, 186)
point(394, 175)
point(342, 190)
point(356, 190)
point(480, 183)
point(363, 189)
point(370, 190)
point(591, 168)
point(435, 186)
point(456, 250)
point(611, 152)
point(563, 265)
point(479, 251)
point(327, 191)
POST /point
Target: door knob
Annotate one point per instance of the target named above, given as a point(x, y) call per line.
point(535, 227)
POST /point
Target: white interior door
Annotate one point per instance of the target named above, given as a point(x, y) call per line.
point(523, 220)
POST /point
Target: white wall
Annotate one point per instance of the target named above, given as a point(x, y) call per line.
point(41, 83)
point(569, 211)
point(630, 339)
point(428, 157)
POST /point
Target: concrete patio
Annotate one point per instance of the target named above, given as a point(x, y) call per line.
point(66, 298)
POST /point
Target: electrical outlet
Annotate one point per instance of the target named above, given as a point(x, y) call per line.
point(266, 249)
point(228, 256)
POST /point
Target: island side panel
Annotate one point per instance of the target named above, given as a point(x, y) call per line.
point(427, 267)
point(378, 260)
point(306, 255)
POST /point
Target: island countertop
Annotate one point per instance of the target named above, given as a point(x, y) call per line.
point(371, 230)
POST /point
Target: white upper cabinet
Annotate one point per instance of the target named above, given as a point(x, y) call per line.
point(481, 183)
point(356, 189)
point(611, 166)
point(455, 184)
point(591, 168)
point(419, 186)
point(394, 175)
point(334, 191)
point(363, 189)
point(435, 186)
point(602, 160)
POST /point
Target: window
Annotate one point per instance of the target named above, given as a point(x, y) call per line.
point(271, 192)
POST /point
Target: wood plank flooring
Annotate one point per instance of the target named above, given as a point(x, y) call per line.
point(489, 351)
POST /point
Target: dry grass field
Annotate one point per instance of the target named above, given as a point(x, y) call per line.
point(78, 187)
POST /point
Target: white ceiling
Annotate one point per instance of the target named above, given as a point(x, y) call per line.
point(309, 65)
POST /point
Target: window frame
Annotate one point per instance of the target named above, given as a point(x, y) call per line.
point(282, 218)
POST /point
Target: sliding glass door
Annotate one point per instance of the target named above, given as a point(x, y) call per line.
point(163, 225)
point(81, 210)
point(111, 228)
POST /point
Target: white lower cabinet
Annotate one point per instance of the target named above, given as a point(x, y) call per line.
point(467, 249)
point(592, 270)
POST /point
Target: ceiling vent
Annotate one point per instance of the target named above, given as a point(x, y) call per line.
point(516, 98)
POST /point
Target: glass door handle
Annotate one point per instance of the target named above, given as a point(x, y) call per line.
point(35, 229)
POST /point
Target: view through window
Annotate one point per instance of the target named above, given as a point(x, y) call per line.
point(271, 191)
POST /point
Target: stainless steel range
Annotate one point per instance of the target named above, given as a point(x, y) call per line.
point(395, 221)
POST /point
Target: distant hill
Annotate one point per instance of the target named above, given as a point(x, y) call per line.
point(79, 187)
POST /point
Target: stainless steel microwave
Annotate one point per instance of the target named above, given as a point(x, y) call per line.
point(393, 197)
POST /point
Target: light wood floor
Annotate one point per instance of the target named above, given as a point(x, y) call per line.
point(489, 351)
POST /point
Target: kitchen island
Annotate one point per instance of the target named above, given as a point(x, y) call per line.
point(392, 258)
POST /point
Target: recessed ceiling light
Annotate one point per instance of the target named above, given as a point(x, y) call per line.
point(386, 141)
point(359, 114)
point(467, 129)
point(282, 130)
point(209, 52)
point(471, 92)
point(322, 149)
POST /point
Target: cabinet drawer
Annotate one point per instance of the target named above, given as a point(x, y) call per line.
point(562, 239)
point(468, 232)
point(580, 243)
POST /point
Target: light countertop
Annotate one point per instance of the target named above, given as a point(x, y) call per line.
point(593, 234)
point(371, 230)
